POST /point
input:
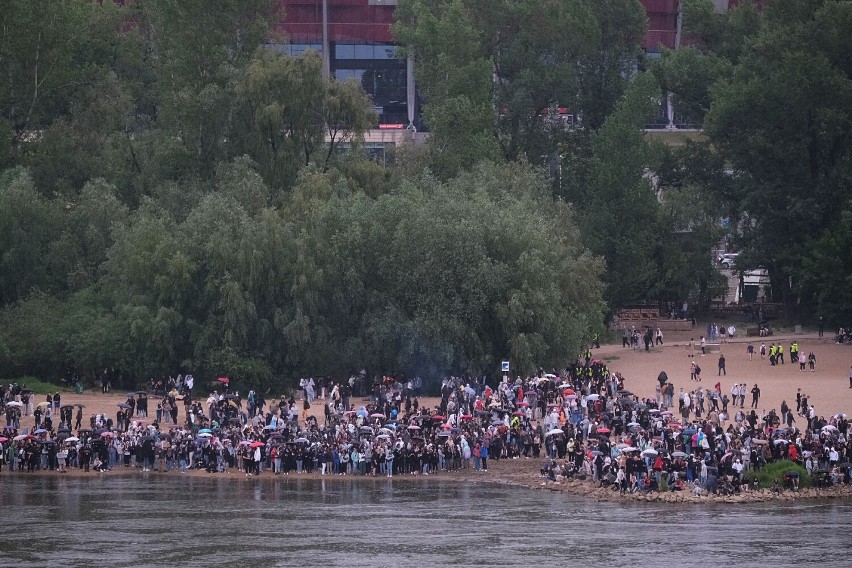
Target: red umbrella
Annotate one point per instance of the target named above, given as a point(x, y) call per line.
point(603, 430)
point(225, 380)
point(523, 403)
point(438, 417)
point(568, 391)
point(466, 416)
point(256, 444)
point(519, 413)
point(674, 425)
point(446, 427)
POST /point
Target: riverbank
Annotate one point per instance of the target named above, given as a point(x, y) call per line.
point(515, 473)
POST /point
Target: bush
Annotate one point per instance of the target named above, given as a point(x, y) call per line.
point(775, 471)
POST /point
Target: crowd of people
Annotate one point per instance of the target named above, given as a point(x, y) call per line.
point(583, 421)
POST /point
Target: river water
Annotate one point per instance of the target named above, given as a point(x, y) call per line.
point(164, 522)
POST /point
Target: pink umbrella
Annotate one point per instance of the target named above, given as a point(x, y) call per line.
point(225, 380)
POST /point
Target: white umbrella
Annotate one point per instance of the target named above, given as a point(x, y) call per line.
point(649, 452)
point(14, 403)
point(554, 432)
point(72, 439)
point(593, 397)
point(629, 449)
point(550, 375)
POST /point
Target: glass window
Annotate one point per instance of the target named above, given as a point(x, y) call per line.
point(345, 74)
point(300, 48)
point(363, 52)
point(344, 51)
point(385, 52)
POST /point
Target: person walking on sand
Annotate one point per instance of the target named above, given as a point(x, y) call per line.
point(690, 349)
point(659, 340)
point(722, 365)
point(755, 395)
point(850, 376)
point(762, 350)
point(750, 351)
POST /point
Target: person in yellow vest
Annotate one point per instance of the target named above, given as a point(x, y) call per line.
point(781, 353)
point(794, 352)
point(773, 353)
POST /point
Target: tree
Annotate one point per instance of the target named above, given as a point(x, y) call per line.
point(782, 122)
point(293, 109)
point(607, 182)
point(504, 68)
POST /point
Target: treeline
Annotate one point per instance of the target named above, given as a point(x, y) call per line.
point(173, 195)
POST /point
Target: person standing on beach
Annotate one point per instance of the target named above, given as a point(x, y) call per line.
point(755, 395)
point(690, 350)
point(722, 365)
point(750, 351)
point(850, 376)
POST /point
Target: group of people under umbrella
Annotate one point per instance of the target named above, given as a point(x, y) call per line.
point(584, 420)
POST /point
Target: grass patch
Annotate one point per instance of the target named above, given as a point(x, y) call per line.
point(775, 471)
point(38, 386)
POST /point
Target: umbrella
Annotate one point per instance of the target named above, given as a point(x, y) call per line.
point(593, 397)
point(519, 413)
point(523, 403)
point(377, 415)
point(673, 426)
point(633, 424)
point(3, 439)
point(550, 375)
point(444, 434)
point(72, 439)
point(14, 403)
point(40, 431)
point(124, 405)
point(301, 440)
point(414, 427)
point(22, 437)
point(446, 427)
point(555, 432)
point(205, 431)
point(366, 430)
point(603, 430)
point(439, 417)
point(205, 435)
point(256, 445)
point(465, 416)
point(224, 380)
point(67, 406)
point(829, 427)
point(44, 403)
point(649, 452)
point(107, 434)
point(384, 436)
point(596, 453)
point(678, 455)
point(781, 442)
point(629, 449)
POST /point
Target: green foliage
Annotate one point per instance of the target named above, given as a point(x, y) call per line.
point(775, 471)
point(492, 73)
point(826, 275)
point(783, 123)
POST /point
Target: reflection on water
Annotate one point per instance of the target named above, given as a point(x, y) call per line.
point(131, 521)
